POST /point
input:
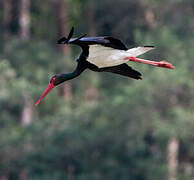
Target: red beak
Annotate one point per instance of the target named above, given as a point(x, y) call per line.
point(48, 89)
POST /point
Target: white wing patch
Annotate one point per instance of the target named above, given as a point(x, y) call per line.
point(102, 56)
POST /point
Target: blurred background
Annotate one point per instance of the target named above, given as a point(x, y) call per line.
point(100, 125)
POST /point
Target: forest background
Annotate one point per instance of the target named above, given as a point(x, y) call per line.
point(98, 126)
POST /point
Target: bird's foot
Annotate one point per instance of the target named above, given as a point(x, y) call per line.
point(165, 64)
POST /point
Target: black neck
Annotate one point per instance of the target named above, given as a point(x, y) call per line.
point(79, 69)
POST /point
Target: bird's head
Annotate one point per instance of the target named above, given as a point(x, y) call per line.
point(54, 81)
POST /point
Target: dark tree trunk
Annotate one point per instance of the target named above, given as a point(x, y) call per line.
point(62, 18)
point(7, 16)
point(91, 93)
point(24, 19)
point(150, 18)
point(26, 119)
point(27, 111)
point(24, 34)
point(91, 18)
point(4, 177)
point(23, 175)
point(173, 146)
point(63, 30)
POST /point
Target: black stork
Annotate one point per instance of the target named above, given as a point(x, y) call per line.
point(103, 54)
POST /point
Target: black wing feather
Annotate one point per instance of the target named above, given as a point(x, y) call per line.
point(115, 43)
point(107, 41)
point(104, 41)
point(123, 70)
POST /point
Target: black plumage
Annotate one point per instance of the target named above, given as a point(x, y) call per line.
point(106, 41)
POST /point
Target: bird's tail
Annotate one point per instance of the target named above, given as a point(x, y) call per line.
point(137, 51)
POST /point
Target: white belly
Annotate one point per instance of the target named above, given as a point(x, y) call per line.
point(106, 57)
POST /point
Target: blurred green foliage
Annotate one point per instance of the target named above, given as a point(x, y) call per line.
point(122, 131)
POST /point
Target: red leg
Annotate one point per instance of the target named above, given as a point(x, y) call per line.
point(163, 64)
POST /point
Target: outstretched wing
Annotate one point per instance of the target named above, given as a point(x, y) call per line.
point(124, 70)
point(106, 41)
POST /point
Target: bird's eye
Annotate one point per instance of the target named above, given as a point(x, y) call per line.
point(52, 80)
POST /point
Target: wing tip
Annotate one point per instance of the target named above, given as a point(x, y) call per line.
point(139, 77)
point(149, 46)
point(136, 77)
point(61, 40)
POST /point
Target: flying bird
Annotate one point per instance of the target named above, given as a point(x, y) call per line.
point(103, 54)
